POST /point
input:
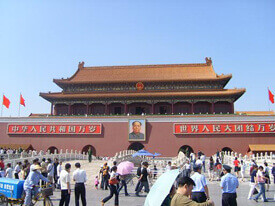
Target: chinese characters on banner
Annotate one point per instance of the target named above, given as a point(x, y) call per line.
point(181, 128)
point(54, 129)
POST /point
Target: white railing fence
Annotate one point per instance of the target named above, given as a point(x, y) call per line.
point(31, 155)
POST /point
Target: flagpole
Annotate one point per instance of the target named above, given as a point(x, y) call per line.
point(268, 99)
point(2, 106)
point(19, 105)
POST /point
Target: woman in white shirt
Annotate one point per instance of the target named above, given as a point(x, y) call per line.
point(243, 166)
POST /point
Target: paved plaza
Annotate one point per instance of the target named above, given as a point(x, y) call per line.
point(94, 196)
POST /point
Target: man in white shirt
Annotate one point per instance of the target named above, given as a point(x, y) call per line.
point(200, 191)
point(79, 176)
point(17, 169)
point(168, 166)
point(34, 163)
point(9, 171)
point(59, 169)
point(65, 185)
point(198, 162)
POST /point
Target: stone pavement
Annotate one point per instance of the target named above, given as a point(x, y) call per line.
point(94, 196)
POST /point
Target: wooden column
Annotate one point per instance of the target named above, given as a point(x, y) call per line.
point(232, 107)
point(125, 108)
point(172, 108)
point(192, 108)
point(69, 109)
point(52, 109)
point(87, 109)
point(153, 108)
point(106, 109)
point(212, 108)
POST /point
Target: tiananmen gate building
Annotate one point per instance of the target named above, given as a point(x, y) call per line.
point(175, 107)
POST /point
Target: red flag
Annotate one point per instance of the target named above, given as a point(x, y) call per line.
point(271, 96)
point(6, 101)
point(22, 100)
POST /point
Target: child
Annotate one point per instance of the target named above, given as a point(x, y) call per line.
point(96, 182)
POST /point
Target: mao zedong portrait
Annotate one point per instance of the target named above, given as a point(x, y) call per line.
point(136, 134)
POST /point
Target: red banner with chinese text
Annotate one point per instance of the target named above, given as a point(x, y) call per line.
point(199, 128)
point(54, 129)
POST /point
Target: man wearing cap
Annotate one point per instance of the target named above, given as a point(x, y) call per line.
point(31, 183)
point(79, 176)
point(34, 163)
point(143, 179)
point(200, 190)
point(181, 198)
point(229, 184)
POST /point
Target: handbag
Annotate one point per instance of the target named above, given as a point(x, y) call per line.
point(113, 181)
point(255, 191)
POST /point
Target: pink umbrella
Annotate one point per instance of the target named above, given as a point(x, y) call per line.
point(125, 168)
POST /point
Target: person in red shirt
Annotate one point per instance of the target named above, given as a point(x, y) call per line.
point(237, 168)
point(2, 166)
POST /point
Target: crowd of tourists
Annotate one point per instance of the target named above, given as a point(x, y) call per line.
point(4, 150)
point(48, 171)
point(190, 188)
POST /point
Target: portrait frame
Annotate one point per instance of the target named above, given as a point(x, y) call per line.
point(134, 137)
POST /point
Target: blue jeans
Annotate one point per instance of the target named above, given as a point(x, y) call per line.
point(29, 194)
point(113, 191)
point(262, 192)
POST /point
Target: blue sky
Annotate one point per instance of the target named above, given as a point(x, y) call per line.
point(43, 40)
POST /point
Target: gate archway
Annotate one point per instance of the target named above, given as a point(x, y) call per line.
point(136, 146)
point(52, 149)
point(186, 149)
point(227, 149)
point(86, 148)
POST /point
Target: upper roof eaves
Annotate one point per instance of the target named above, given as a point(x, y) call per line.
point(143, 73)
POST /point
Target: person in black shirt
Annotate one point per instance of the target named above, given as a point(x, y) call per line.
point(252, 182)
point(143, 179)
point(55, 164)
point(138, 176)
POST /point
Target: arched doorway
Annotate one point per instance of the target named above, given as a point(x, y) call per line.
point(52, 149)
point(186, 149)
point(136, 146)
point(86, 148)
point(227, 149)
